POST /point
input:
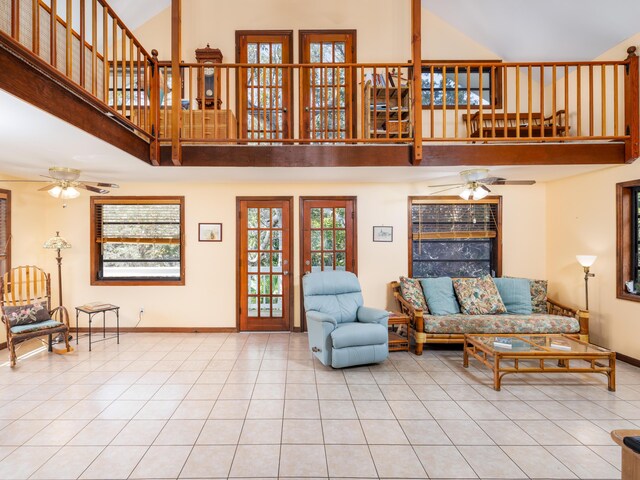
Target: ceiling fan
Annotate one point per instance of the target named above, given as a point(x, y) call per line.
point(474, 183)
point(63, 183)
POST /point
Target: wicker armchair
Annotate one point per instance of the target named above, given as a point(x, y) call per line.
point(25, 301)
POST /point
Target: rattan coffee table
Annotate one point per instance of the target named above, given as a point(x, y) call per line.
point(538, 354)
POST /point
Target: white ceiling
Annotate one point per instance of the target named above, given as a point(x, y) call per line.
point(32, 141)
point(542, 30)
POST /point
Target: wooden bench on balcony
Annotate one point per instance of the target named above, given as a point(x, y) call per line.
point(512, 125)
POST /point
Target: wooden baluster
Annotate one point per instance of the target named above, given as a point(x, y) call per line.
point(302, 72)
point(83, 34)
point(481, 107)
point(416, 60)
point(15, 20)
point(590, 100)
point(325, 108)
point(603, 81)
point(616, 100)
point(69, 39)
point(123, 74)
point(444, 101)
point(530, 99)
point(228, 106)
point(542, 107)
point(554, 105)
point(386, 99)
point(566, 101)
point(517, 101)
point(455, 102)
point(53, 29)
point(505, 99)
point(191, 100)
point(94, 47)
point(468, 101)
point(176, 52)
point(578, 101)
point(165, 101)
point(139, 97)
point(348, 114)
point(492, 103)
point(432, 105)
point(114, 62)
point(363, 133)
point(132, 99)
point(203, 109)
point(35, 26)
point(105, 52)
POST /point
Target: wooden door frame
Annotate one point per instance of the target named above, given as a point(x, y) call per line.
point(354, 89)
point(354, 199)
point(238, 244)
point(290, 107)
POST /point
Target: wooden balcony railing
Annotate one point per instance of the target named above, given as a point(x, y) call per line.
point(89, 44)
point(290, 103)
point(525, 102)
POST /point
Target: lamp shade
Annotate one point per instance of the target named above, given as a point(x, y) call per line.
point(56, 242)
point(586, 260)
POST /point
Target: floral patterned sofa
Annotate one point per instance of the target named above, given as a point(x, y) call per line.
point(548, 316)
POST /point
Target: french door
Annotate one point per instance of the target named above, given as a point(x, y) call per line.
point(265, 92)
point(328, 93)
point(264, 254)
point(328, 236)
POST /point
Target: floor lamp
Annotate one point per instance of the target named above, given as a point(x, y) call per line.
point(586, 261)
point(58, 243)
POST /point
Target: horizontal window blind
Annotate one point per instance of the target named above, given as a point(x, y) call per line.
point(138, 238)
point(450, 220)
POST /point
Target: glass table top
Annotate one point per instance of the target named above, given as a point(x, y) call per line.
point(536, 343)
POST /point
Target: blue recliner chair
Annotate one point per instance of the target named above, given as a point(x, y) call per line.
point(342, 332)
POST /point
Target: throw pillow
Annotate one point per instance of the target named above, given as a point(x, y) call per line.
point(26, 314)
point(515, 294)
point(478, 296)
point(440, 297)
point(538, 296)
point(412, 293)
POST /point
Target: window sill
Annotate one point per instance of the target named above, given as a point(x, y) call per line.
point(629, 296)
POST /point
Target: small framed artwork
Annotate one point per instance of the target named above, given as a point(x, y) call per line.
point(210, 232)
point(382, 234)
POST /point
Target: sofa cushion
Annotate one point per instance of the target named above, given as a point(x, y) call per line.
point(515, 294)
point(538, 296)
point(412, 292)
point(504, 324)
point(440, 297)
point(26, 314)
point(478, 296)
point(356, 334)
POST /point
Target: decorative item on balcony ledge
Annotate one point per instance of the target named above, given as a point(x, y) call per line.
point(586, 261)
point(58, 243)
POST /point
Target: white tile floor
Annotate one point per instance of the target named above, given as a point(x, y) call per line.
point(257, 405)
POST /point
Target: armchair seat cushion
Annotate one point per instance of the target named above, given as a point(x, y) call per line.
point(356, 334)
point(35, 327)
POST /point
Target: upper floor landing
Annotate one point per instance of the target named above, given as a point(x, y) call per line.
point(85, 66)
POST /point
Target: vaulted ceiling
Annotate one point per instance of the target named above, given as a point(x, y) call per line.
point(516, 30)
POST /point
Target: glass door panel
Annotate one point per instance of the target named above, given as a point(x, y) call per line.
point(264, 264)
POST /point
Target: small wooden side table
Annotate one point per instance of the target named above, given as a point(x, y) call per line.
point(398, 343)
point(92, 310)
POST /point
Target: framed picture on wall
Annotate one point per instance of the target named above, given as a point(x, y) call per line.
point(210, 232)
point(382, 234)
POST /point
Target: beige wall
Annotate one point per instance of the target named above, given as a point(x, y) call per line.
point(208, 298)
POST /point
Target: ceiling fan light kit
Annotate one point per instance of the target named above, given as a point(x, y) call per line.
point(474, 184)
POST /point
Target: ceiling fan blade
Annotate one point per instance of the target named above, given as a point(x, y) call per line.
point(100, 184)
point(491, 180)
point(517, 182)
point(24, 181)
point(484, 187)
point(101, 191)
point(445, 190)
point(447, 185)
point(47, 187)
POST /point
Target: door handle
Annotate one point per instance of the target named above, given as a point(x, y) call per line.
point(307, 262)
point(286, 272)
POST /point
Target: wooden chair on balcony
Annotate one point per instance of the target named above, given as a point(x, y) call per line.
point(25, 302)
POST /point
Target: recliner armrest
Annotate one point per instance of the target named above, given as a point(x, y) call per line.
point(320, 317)
point(373, 315)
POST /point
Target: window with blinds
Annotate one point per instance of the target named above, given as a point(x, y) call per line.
point(138, 239)
point(5, 231)
point(451, 237)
